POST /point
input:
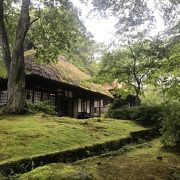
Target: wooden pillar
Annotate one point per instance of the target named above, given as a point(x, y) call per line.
point(41, 95)
point(33, 96)
point(99, 107)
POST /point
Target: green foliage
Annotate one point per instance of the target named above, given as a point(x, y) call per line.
point(59, 31)
point(56, 31)
point(171, 125)
point(123, 113)
point(166, 77)
point(130, 14)
point(41, 106)
point(122, 92)
point(144, 115)
point(149, 115)
point(152, 96)
point(134, 63)
point(100, 79)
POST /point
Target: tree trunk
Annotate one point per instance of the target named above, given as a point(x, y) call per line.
point(16, 76)
point(4, 39)
point(138, 100)
point(16, 84)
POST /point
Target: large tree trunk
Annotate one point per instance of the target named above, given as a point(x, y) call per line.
point(16, 76)
point(16, 84)
point(4, 39)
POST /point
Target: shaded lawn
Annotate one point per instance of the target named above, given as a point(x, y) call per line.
point(138, 162)
point(26, 135)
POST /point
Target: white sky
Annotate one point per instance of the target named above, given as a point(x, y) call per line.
point(103, 29)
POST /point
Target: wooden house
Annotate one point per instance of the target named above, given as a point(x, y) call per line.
point(64, 86)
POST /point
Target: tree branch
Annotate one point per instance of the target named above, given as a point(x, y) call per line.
point(148, 70)
point(33, 21)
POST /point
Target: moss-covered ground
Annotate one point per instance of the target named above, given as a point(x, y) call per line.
point(27, 135)
point(148, 161)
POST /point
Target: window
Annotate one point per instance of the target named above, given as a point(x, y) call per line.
point(37, 96)
point(70, 94)
point(96, 103)
point(45, 96)
point(66, 93)
point(88, 106)
point(79, 105)
point(52, 99)
point(83, 106)
point(59, 92)
point(3, 97)
point(96, 107)
point(29, 94)
point(102, 103)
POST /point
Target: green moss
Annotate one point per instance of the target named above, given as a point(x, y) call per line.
point(3, 73)
point(55, 172)
point(138, 162)
point(27, 135)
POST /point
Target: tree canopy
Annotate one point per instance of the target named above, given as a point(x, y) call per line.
point(56, 30)
point(53, 28)
point(143, 59)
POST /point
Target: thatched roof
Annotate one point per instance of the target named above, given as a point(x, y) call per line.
point(62, 72)
point(113, 85)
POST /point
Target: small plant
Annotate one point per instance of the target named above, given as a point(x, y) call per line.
point(144, 115)
point(149, 115)
point(41, 106)
point(123, 113)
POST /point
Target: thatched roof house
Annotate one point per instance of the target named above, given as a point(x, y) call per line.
point(60, 81)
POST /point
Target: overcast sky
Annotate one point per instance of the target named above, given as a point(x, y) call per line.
point(103, 29)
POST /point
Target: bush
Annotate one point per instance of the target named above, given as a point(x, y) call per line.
point(149, 115)
point(171, 125)
point(123, 113)
point(144, 115)
point(41, 106)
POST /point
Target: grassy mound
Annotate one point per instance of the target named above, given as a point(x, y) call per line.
point(27, 135)
point(144, 161)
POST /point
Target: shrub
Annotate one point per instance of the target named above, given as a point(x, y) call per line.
point(123, 113)
point(144, 115)
point(171, 125)
point(149, 115)
point(41, 106)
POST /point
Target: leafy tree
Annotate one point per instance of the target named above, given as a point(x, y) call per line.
point(133, 63)
point(137, 16)
point(15, 61)
point(130, 14)
point(55, 29)
point(166, 77)
point(152, 95)
point(60, 32)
